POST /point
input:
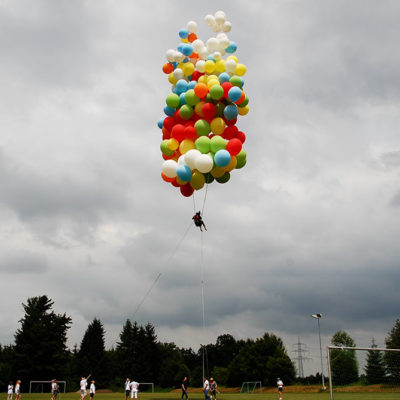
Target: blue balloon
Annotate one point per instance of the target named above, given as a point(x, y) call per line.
point(181, 85)
point(222, 158)
point(182, 97)
point(230, 112)
point(210, 57)
point(169, 111)
point(224, 77)
point(234, 94)
point(191, 85)
point(185, 173)
point(187, 49)
point(231, 48)
point(183, 33)
point(160, 123)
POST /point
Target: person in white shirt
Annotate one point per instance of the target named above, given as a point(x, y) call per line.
point(54, 389)
point(279, 383)
point(10, 391)
point(206, 388)
point(18, 390)
point(92, 389)
point(83, 385)
point(127, 388)
point(134, 389)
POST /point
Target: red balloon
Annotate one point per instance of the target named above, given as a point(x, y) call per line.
point(187, 190)
point(190, 133)
point(169, 122)
point(230, 132)
point(241, 136)
point(166, 135)
point(175, 183)
point(230, 121)
point(177, 117)
point(241, 99)
point(196, 75)
point(226, 86)
point(178, 132)
point(234, 146)
point(209, 110)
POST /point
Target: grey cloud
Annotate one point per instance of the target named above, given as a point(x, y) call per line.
point(23, 262)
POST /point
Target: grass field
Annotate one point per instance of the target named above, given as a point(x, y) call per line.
point(225, 396)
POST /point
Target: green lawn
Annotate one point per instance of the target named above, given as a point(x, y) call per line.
point(223, 396)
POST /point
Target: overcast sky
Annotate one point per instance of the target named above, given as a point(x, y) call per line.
point(311, 224)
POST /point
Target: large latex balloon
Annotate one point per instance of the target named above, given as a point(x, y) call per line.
point(201, 141)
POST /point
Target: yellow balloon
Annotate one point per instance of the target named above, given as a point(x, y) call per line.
point(172, 79)
point(231, 165)
point(217, 172)
point(220, 66)
point(198, 108)
point(209, 66)
point(203, 79)
point(240, 69)
point(243, 110)
point(233, 58)
point(185, 40)
point(186, 145)
point(198, 180)
point(188, 68)
point(212, 82)
point(172, 144)
point(210, 77)
point(217, 126)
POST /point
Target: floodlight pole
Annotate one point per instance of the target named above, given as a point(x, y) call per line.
point(318, 317)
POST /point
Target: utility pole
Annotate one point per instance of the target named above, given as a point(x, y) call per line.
point(300, 350)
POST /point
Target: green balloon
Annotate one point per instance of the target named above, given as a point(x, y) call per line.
point(216, 92)
point(191, 98)
point(173, 100)
point(202, 127)
point(220, 109)
point(186, 112)
point(209, 177)
point(241, 159)
point(217, 143)
point(164, 148)
point(236, 81)
point(224, 178)
point(203, 144)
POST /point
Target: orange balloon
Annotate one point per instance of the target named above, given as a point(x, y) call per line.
point(165, 177)
point(192, 37)
point(167, 68)
point(201, 90)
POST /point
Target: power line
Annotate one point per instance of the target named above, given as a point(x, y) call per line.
point(300, 350)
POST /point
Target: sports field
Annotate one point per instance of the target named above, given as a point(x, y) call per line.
point(226, 396)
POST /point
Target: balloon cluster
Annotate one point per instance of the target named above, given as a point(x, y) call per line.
point(200, 140)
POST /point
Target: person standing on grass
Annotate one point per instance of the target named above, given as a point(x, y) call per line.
point(54, 389)
point(18, 390)
point(213, 388)
point(279, 383)
point(127, 388)
point(206, 388)
point(83, 385)
point(10, 391)
point(92, 389)
point(184, 386)
point(134, 389)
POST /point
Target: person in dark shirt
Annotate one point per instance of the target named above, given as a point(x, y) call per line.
point(184, 388)
point(198, 221)
point(213, 388)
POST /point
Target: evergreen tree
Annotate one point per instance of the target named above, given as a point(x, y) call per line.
point(343, 362)
point(375, 368)
point(40, 342)
point(392, 359)
point(92, 353)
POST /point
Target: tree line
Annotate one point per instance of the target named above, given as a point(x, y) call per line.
point(40, 352)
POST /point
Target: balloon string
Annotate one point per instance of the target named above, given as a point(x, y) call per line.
point(204, 201)
point(194, 204)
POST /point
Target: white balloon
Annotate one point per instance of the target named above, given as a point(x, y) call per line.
point(178, 56)
point(227, 26)
point(219, 19)
point(224, 43)
point(230, 65)
point(181, 160)
point(169, 168)
point(221, 35)
point(220, 12)
point(192, 26)
point(209, 19)
point(197, 45)
point(216, 27)
point(170, 55)
point(212, 44)
point(191, 157)
point(204, 163)
point(200, 66)
point(217, 55)
point(204, 53)
point(178, 73)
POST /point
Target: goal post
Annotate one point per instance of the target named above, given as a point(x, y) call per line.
point(251, 387)
point(150, 386)
point(45, 386)
point(373, 366)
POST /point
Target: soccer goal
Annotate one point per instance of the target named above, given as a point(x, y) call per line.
point(251, 387)
point(145, 386)
point(45, 386)
point(368, 366)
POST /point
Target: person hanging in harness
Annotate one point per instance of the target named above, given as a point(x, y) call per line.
point(198, 221)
